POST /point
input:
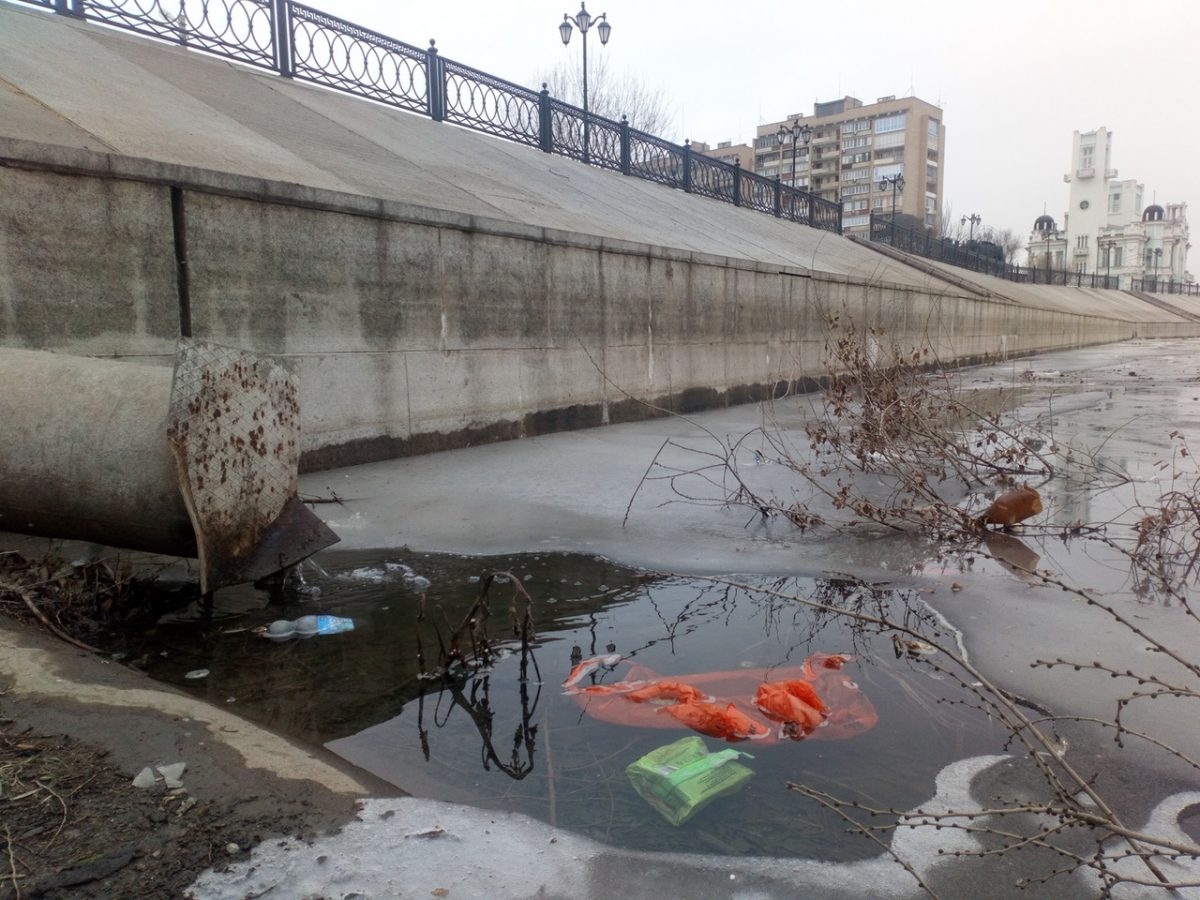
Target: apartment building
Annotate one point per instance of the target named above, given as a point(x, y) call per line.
point(852, 147)
point(1106, 229)
point(728, 152)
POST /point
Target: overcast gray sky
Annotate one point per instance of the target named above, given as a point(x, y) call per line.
point(1015, 78)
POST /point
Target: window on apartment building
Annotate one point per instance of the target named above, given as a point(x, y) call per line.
point(1118, 256)
point(930, 204)
point(931, 171)
point(934, 125)
point(851, 189)
point(889, 171)
point(1114, 202)
point(855, 221)
point(893, 139)
point(1086, 154)
point(879, 203)
point(1081, 242)
point(853, 143)
point(891, 123)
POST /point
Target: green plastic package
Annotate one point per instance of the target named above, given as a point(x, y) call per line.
point(682, 778)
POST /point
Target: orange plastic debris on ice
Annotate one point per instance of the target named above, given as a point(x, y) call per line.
point(817, 701)
point(1012, 507)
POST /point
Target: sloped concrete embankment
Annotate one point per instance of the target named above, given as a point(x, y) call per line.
point(431, 286)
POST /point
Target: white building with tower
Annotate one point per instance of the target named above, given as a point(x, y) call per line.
point(1107, 229)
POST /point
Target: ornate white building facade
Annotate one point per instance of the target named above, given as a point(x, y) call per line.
point(1107, 230)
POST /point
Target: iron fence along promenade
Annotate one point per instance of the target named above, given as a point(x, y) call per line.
point(305, 44)
point(969, 256)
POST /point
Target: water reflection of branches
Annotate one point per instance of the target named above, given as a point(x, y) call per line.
point(473, 697)
point(465, 654)
point(1076, 810)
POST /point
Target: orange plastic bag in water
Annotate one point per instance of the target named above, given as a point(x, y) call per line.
point(726, 722)
point(663, 692)
point(793, 704)
point(843, 710)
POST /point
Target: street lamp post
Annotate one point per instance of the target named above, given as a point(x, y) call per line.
point(974, 219)
point(897, 184)
point(797, 133)
point(583, 20)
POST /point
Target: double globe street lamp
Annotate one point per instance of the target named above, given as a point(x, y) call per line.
point(896, 182)
point(584, 20)
point(798, 134)
point(974, 219)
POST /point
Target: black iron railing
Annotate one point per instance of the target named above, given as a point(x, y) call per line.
point(1165, 286)
point(974, 256)
point(306, 44)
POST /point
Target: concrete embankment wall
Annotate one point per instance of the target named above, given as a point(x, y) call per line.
point(432, 287)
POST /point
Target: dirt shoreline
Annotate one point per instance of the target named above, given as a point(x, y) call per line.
point(74, 731)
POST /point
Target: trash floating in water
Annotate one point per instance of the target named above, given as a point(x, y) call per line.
point(1012, 507)
point(588, 666)
point(197, 673)
point(911, 647)
point(304, 627)
point(719, 721)
point(814, 701)
point(682, 778)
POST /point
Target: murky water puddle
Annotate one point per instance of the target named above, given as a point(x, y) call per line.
point(497, 742)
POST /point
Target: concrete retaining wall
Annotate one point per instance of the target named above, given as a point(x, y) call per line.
point(415, 329)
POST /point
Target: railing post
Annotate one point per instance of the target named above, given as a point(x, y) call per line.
point(687, 166)
point(737, 182)
point(778, 198)
point(69, 8)
point(545, 121)
point(812, 211)
point(626, 156)
point(281, 15)
point(435, 83)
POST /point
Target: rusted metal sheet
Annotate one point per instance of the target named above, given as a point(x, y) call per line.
point(234, 431)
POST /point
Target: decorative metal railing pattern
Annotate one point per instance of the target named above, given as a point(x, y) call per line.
point(237, 29)
point(338, 54)
point(654, 159)
point(304, 43)
point(922, 243)
point(491, 104)
point(759, 193)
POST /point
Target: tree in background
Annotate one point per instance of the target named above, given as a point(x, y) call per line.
point(612, 96)
point(1006, 239)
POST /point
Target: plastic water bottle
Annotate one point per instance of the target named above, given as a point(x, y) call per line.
point(306, 627)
